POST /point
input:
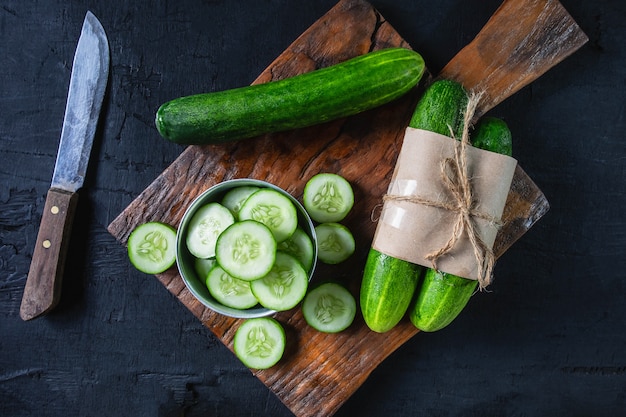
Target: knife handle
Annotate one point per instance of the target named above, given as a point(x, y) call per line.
point(43, 285)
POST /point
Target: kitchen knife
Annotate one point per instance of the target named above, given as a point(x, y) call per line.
point(90, 71)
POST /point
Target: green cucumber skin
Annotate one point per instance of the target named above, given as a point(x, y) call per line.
point(341, 90)
point(386, 290)
point(440, 300)
point(443, 296)
point(493, 134)
point(389, 284)
point(441, 109)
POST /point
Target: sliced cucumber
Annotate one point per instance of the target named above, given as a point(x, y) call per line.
point(246, 250)
point(284, 286)
point(328, 197)
point(260, 342)
point(203, 266)
point(300, 246)
point(152, 247)
point(329, 308)
point(335, 243)
point(205, 227)
point(274, 210)
point(228, 290)
point(234, 198)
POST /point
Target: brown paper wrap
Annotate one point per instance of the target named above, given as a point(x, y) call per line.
point(420, 210)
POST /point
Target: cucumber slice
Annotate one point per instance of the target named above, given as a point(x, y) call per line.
point(300, 246)
point(274, 210)
point(260, 342)
point(152, 247)
point(228, 290)
point(284, 286)
point(328, 197)
point(205, 227)
point(203, 266)
point(246, 250)
point(335, 243)
point(234, 198)
point(329, 308)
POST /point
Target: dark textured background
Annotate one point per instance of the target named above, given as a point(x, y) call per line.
point(549, 339)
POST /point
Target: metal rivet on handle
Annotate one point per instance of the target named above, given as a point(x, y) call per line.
point(54, 210)
point(46, 244)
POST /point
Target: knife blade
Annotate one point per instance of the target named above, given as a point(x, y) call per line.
point(90, 71)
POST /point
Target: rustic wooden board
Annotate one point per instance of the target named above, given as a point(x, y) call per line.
point(537, 34)
point(319, 372)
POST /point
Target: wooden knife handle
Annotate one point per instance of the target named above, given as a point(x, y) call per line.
point(43, 285)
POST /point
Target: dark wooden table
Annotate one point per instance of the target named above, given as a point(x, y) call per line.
point(549, 339)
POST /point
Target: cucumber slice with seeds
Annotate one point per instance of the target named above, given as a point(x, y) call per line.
point(284, 286)
point(260, 342)
point(152, 247)
point(274, 210)
point(205, 227)
point(329, 308)
point(300, 246)
point(328, 197)
point(234, 198)
point(335, 243)
point(246, 250)
point(228, 290)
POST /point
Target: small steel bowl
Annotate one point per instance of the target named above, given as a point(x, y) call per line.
point(186, 262)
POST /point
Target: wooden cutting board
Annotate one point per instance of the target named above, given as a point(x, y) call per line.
point(319, 372)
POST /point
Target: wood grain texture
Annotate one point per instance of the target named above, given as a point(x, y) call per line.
point(521, 41)
point(43, 285)
point(319, 372)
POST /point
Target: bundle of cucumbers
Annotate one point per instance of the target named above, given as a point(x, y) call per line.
point(391, 286)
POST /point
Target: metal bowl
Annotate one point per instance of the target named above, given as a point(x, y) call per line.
point(186, 262)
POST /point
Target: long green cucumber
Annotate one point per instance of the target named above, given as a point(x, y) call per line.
point(441, 296)
point(386, 290)
point(492, 134)
point(337, 91)
point(388, 283)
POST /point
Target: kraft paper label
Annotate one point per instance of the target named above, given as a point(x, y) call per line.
point(410, 230)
